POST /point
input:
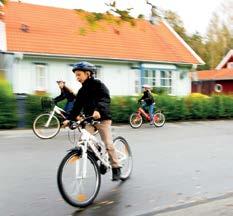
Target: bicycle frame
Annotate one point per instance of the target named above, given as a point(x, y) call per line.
point(141, 111)
point(56, 110)
point(87, 140)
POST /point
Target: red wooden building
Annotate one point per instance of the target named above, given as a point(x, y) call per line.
point(219, 80)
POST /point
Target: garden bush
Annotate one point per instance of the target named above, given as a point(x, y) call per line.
point(8, 106)
point(193, 107)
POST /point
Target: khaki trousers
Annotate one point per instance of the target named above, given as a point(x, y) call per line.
point(104, 129)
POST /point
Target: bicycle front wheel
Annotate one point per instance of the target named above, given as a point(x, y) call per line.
point(78, 179)
point(135, 120)
point(124, 155)
point(45, 126)
point(159, 119)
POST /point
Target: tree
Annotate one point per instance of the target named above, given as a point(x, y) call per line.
point(196, 41)
point(3, 1)
point(219, 35)
point(176, 23)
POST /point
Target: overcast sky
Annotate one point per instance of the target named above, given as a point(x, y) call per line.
point(194, 13)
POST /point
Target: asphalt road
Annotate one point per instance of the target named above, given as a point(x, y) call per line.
point(176, 166)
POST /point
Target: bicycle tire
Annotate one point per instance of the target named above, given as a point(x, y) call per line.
point(79, 199)
point(124, 155)
point(43, 132)
point(159, 119)
point(135, 120)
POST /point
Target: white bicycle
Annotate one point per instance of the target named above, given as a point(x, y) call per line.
point(47, 125)
point(79, 174)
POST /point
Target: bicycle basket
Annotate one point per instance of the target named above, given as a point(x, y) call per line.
point(47, 103)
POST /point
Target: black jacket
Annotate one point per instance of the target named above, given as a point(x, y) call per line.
point(65, 94)
point(92, 96)
point(147, 97)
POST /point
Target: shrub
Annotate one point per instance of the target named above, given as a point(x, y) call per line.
point(192, 107)
point(33, 107)
point(122, 107)
point(8, 106)
point(173, 107)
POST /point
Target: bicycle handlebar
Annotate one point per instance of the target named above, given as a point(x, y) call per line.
point(87, 120)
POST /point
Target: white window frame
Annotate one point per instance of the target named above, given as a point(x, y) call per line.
point(154, 78)
point(166, 81)
point(98, 74)
point(150, 77)
point(41, 76)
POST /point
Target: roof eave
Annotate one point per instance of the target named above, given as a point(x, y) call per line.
point(215, 79)
point(101, 58)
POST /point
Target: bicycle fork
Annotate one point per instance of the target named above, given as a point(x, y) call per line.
point(49, 120)
point(81, 169)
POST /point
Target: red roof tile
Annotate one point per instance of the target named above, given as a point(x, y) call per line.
point(41, 29)
point(223, 74)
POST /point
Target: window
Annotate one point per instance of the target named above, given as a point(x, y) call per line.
point(218, 88)
point(149, 77)
point(137, 82)
point(166, 80)
point(40, 76)
point(158, 78)
point(230, 65)
point(98, 72)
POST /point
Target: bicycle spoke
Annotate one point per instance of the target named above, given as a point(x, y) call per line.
point(77, 189)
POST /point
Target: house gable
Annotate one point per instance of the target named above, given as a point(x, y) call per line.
point(227, 61)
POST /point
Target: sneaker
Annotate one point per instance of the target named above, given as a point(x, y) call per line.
point(116, 174)
point(151, 122)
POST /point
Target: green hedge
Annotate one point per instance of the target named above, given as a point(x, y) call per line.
point(8, 106)
point(175, 108)
point(33, 108)
point(122, 107)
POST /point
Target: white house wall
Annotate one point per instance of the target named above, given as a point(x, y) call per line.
point(24, 79)
point(182, 83)
point(119, 78)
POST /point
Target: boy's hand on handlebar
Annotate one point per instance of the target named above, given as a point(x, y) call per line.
point(66, 123)
point(96, 115)
point(79, 118)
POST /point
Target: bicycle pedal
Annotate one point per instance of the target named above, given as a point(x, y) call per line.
point(103, 169)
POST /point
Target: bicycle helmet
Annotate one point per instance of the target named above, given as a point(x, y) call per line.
point(146, 86)
point(84, 66)
point(60, 80)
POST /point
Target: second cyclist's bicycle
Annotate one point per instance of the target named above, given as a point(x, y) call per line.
point(136, 118)
point(47, 125)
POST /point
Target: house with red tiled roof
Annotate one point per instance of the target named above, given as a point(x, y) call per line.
point(39, 45)
point(219, 80)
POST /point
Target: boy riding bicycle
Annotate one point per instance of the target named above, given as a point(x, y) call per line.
point(147, 100)
point(94, 100)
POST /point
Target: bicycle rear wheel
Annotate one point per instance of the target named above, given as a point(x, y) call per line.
point(124, 155)
point(77, 188)
point(46, 128)
point(135, 120)
point(159, 119)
